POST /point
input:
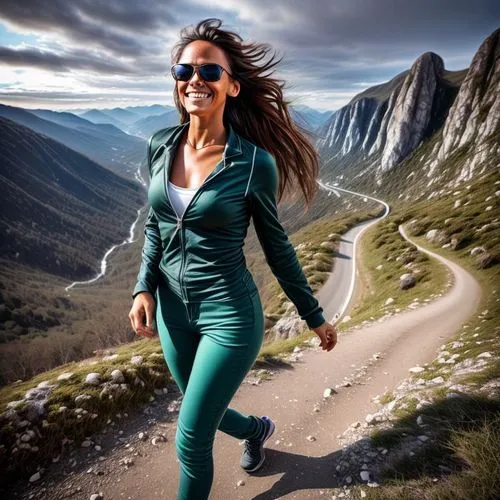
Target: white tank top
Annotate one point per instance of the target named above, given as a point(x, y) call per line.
point(180, 197)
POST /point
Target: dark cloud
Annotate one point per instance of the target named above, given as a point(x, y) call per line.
point(327, 46)
point(77, 60)
point(116, 26)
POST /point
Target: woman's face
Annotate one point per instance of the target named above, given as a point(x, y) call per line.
point(201, 52)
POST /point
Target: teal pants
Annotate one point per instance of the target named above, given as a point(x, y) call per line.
point(209, 347)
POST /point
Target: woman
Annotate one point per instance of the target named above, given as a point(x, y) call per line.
point(209, 315)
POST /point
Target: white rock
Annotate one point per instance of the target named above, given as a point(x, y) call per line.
point(484, 355)
point(327, 392)
point(365, 475)
point(117, 376)
point(93, 379)
point(417, 369)
point(136, 360)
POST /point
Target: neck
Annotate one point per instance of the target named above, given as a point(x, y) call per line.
point(204, 133)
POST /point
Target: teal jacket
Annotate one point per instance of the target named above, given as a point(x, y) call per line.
point(200, 254)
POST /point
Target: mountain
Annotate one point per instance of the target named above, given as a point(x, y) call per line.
point(311, 118)
point(145, 127)
point(428, 125)
point(104, 144)
point(141, 121)
point(53, 200)
point(98, 116)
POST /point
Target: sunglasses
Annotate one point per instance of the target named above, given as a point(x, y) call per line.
point(209, 72)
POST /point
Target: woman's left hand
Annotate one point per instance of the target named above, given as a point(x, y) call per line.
point(328, 335)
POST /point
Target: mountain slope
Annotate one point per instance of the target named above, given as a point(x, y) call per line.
point(54, 199)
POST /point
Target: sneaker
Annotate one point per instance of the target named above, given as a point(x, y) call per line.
point(253, 454)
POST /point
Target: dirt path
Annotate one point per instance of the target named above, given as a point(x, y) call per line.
point(295, 467)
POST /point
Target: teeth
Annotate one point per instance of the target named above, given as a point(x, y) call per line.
point(197, 94)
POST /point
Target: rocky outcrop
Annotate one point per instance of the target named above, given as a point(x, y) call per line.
point(412, 110)
point(475, 113)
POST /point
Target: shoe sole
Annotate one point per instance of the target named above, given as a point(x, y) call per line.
point(269, 434)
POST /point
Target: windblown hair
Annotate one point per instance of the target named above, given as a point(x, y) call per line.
point(259, 113)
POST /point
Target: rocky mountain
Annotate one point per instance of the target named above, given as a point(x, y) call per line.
point(430, 125)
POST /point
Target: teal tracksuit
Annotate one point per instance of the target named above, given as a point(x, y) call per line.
point(209, 314)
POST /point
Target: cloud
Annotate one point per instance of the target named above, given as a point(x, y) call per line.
point(327, 46)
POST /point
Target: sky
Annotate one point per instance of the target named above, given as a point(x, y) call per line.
point(62, 55)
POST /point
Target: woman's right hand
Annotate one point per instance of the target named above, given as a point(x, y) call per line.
point(143, 308)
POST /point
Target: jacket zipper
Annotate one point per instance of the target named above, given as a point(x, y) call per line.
point(180, 219)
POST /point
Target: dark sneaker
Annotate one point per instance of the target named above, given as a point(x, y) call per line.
point(253, 454)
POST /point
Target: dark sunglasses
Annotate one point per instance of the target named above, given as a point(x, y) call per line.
point(209, 72)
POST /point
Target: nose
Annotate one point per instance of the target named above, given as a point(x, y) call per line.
point(195, 76)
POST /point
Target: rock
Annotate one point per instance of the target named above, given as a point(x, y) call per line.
point(110, 357)
point(287, 327)
point(438, 380)
point(329, 245)
point(97, 496)
point(365, 475)
point(370, 419)
point(436, 236)
point(93, 379)
point(328, 392)
point(311, 438)
point(406, 281)
point(484, 355)
point(117, 376)
point(136, 360)
point(81, 399)
point(416, 369)
point(389, 301)
point(240, 483)
point(477, 250)
point(65, 376)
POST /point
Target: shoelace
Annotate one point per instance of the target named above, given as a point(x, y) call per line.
point(252, 446)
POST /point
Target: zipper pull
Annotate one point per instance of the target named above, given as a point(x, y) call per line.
point(179, 223)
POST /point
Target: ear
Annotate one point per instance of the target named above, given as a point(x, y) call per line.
point(235, 88)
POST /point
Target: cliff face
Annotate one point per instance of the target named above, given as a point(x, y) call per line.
point(387, 123)
point(475, 113)
point(410, 117)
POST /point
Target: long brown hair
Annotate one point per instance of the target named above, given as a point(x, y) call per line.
point(259, 113)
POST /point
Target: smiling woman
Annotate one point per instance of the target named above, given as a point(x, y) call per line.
point(209, 176)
